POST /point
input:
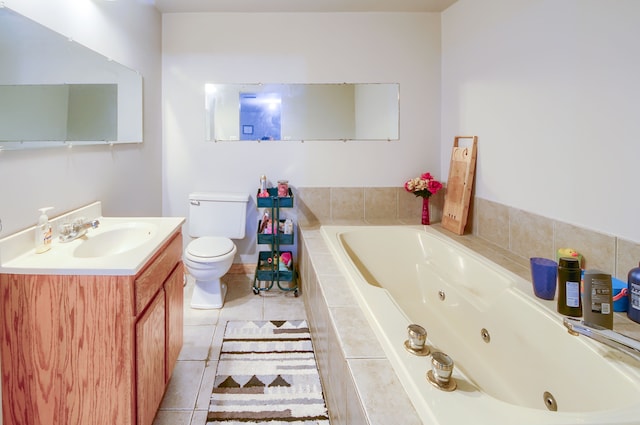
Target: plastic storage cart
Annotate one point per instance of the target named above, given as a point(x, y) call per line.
point(270, 269)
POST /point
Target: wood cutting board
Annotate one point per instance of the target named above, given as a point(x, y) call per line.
point(459, 185)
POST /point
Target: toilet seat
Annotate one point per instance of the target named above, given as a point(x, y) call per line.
point(208, 248)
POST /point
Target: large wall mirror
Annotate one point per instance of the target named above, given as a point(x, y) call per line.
point(302, 111)
point(56, 92)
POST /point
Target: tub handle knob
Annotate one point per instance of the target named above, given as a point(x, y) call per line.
point(416, 344)
point(441, 371)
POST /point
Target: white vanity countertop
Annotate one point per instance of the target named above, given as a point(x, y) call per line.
point(17, 253)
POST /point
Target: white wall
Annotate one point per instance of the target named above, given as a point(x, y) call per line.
point(127, 178)
point(297, 48)
point(551, 89)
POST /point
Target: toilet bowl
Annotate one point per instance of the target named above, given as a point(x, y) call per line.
point(207, 259)
point(215, 218)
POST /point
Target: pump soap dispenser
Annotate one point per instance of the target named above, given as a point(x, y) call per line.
point(43, 233)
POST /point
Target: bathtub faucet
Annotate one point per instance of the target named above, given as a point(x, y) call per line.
point(605, 336)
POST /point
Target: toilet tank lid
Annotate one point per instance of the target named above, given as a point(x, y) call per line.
point(219, 196)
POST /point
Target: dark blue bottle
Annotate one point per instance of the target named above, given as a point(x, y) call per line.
point(634, 294)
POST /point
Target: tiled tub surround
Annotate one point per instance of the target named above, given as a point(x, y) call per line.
point(509, 231)
point(357, 377)
point(530, 235)
point(359, 383)
point(371, 204)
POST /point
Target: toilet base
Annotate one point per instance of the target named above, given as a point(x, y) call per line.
point(208, 295)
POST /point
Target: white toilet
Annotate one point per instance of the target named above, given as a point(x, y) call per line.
point(214, 219)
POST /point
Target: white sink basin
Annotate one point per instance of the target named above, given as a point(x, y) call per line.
point(117, 239)
point(118, 246)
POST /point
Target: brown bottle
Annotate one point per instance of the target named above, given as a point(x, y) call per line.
point(569, 299)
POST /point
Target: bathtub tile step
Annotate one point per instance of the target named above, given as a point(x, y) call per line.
point(355, 334)
point(379, 387)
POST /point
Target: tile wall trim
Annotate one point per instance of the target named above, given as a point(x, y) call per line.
point(525, 234)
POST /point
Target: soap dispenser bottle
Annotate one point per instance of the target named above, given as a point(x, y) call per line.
point(43, 233)
point(569, 299)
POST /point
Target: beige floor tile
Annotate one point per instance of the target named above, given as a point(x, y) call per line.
point(186, 399)
point(184, 385)
point(241, 303)
point(202, 403)
point(199, 417)
point(283, 305)
point(251, 308)
point(197, 342)
point(172, 417)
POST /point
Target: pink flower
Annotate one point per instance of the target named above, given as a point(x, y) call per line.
point(423, 186)
point(434, 186)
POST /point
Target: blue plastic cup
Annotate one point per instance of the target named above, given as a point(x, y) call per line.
point(544, 273)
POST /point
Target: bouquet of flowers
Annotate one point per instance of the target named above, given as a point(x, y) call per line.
point(423, 186)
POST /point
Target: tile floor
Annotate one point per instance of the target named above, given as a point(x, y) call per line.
point(187, 397)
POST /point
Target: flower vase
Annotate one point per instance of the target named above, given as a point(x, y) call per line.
point(425, 211)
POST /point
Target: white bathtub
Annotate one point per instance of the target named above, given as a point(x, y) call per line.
point(397, 274)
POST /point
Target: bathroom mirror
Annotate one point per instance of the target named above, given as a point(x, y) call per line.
point(56, 92)
point(363, 111)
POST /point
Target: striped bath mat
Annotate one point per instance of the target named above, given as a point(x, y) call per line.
point(267, 374)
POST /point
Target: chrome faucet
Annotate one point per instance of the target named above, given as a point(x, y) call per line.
point(71, 231)
point(605, 336)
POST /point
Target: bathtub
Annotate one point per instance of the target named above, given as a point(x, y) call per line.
point(414, 274)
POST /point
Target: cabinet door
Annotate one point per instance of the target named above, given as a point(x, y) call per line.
point(150, 360)
point(174, 292)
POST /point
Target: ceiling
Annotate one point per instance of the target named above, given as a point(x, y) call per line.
point(178, 6)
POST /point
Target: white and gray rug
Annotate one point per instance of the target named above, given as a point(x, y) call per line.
point(267, 374)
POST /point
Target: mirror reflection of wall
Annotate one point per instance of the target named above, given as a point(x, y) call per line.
point(368, 111)
point(92, 99)
point(44, 112)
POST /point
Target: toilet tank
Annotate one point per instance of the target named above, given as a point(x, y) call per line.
point(218, 214)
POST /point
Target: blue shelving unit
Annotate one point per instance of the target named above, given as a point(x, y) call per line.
point(268, 269)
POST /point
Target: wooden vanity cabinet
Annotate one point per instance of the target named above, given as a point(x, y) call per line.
point(91, 349)
point(150, 360)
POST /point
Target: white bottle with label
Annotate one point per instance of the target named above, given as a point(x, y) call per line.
point(43, 232)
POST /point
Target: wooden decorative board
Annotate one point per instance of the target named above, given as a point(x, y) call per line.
point(459, 185)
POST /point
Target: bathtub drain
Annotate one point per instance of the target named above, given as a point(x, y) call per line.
point(550, 401)
point(442, 295)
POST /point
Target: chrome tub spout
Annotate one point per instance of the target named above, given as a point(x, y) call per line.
point(605, 336)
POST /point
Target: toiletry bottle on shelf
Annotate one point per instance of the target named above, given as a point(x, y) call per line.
point(263, 192)
point(43, 232)
point(288, 226)
point(569, 301)
point(633, 291)
point(598, 301)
